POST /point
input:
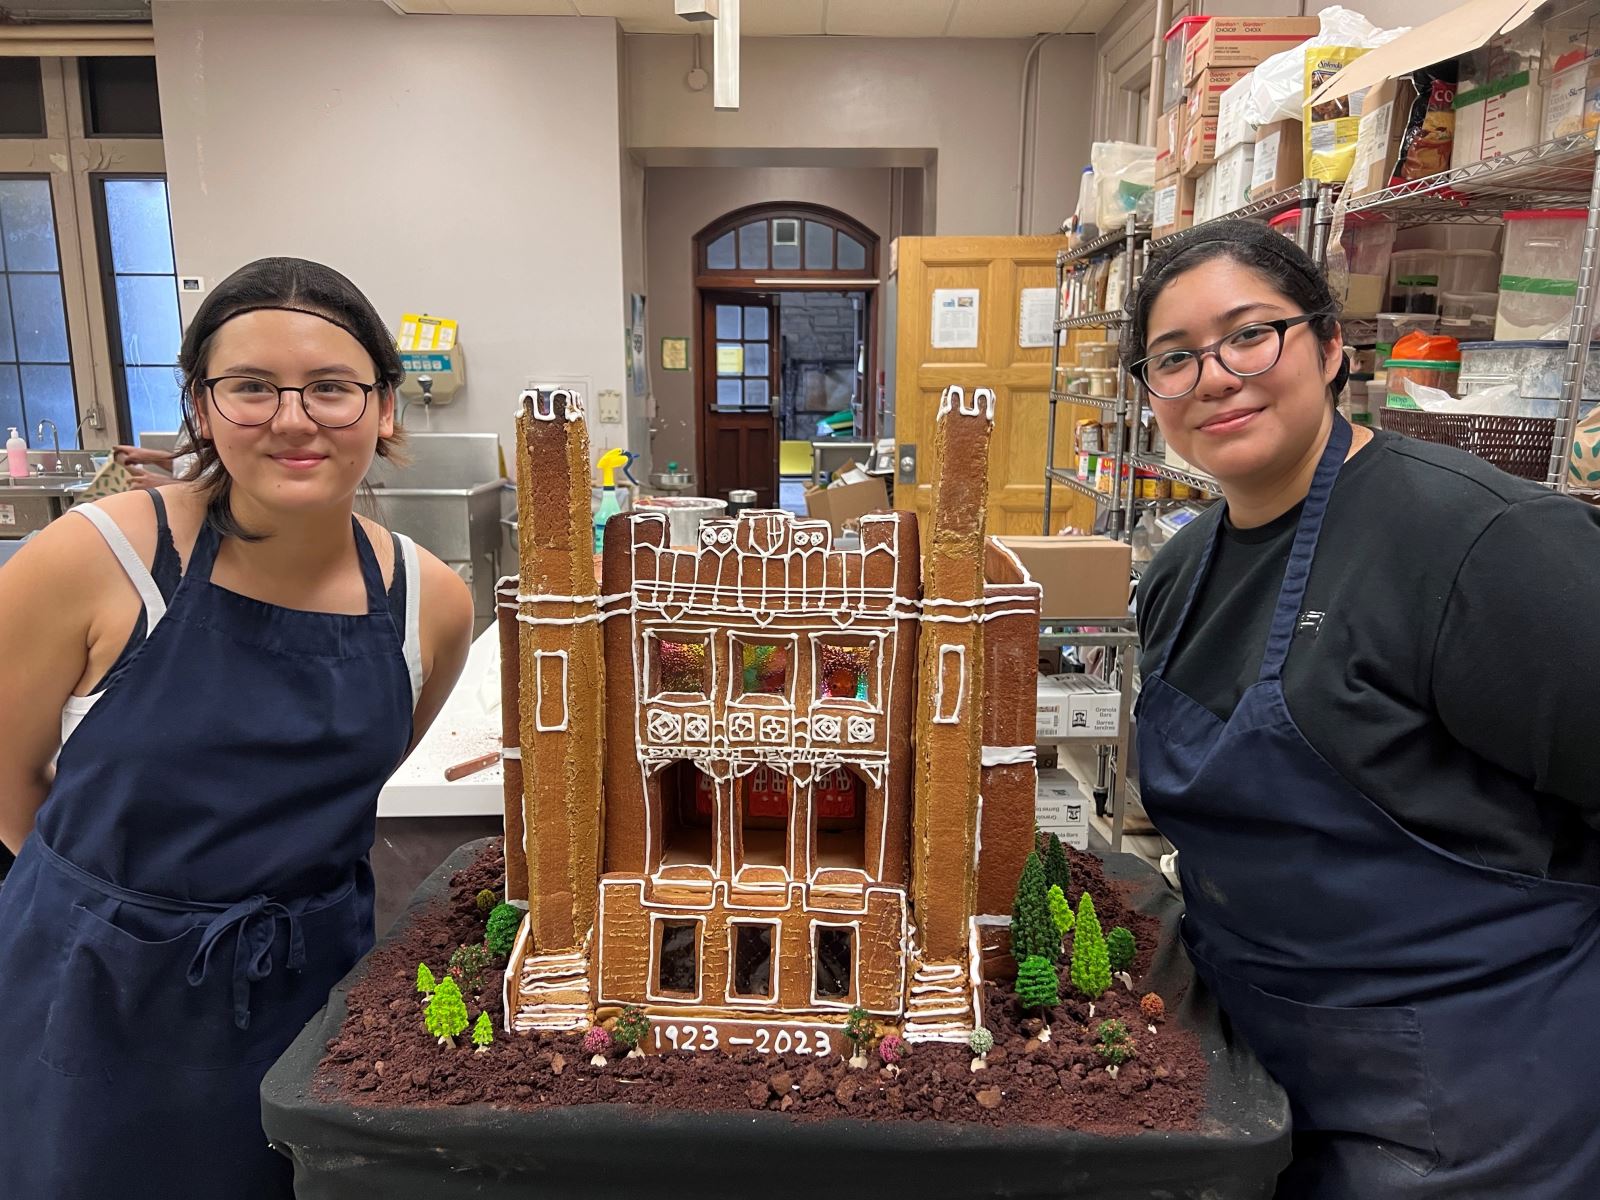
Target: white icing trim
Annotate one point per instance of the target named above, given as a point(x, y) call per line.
point(541, 406)
point(953, 716)
point(540, 691)
point(656, 919)
point(1008, 756)
point(511, 752)
point(739, 998)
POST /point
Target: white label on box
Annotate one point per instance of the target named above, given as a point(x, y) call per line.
point(1265, 168)
point(8, 514)
point(1563, 111)
point(1166, 211)
point(1372, 140)
point(1060, 807)
point(1076, 706)
point(1204, 191)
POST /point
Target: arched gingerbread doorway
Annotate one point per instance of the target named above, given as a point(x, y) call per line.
point(786, 338)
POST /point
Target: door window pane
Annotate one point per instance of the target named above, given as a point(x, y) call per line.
point(755, 358)
point(819, 246)
point(727, 322)
point(38, 317)
point(753, 246)
point(728, 391)
point(21, 99)
point(730, 359)
point(852, 254)
point(47, 395)
point(141, 230)
point(27, 228)
point(719, 255)
point(755, 393)
point(755, 322)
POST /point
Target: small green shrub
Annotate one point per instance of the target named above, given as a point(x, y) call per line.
point(1114, 1045)
point(500, 934)
point(1120, 949)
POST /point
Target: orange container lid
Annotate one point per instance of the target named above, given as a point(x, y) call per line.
point(1417, 346)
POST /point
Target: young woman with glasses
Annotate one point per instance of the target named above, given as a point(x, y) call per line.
point(1365, 723)
point(205, 688)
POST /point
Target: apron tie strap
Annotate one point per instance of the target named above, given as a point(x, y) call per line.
point(256, 919)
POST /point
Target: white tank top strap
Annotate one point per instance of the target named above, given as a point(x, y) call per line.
point(413, 629)
point(155, 606)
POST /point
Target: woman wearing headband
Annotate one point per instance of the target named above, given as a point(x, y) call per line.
point(206, 687)
point(1365, 724)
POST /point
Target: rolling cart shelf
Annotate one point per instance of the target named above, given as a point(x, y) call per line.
point(1121, 640)
point(1088, 320)
point(1177, 474)
point(1108, 403)
point(1556, 174)
point(1067, 479)
point(1103, 244)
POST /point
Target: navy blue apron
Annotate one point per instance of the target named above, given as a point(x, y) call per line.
point(195, 883)
point(1435, 1022)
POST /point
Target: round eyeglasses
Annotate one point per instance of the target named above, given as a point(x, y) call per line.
point(331, 403)
point(1252, 349)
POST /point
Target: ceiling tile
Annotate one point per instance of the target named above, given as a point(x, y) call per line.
point(889, 18)
point(1097, 15)
point(1014, 18)
point(510, 8)
point(783, 18)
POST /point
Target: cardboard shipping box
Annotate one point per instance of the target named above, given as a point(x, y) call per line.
point(1232, 128)
point(1231, 188)
point(1205, 93)
point(847, 502)
point(1174, 205)
point(1279, 155)
point(1083, 578)
point(1169, 141)
point(1199, 147)
point(1075, 706)
point(1061, 806)
point(1384, 111)
point(1243, 41)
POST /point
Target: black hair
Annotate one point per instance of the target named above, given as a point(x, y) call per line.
point(1251, 244)
point(296, 285)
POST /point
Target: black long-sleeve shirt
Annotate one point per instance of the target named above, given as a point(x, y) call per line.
point(1454, 674)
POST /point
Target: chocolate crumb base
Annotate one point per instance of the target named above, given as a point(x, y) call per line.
point(385, 1057)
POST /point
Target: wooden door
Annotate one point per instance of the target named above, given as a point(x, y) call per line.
point(1000, 268)
point(739, 395)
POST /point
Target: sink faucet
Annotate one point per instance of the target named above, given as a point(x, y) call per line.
point(55, 437)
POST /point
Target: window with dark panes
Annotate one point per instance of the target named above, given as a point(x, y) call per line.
point(834, 959)
point(21, 98)
point(35, 359)
point(752, 960)
point(120, 98)
point(679, 967)
point(142, 296)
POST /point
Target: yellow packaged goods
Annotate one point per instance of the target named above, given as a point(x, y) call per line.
point(1330, 128)
point(1279, 154)
point(1082, 577)
point(1243, 41)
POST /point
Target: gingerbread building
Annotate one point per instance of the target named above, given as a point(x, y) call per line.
point(756, 782)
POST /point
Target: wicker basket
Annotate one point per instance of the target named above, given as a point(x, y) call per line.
point(1519, 446)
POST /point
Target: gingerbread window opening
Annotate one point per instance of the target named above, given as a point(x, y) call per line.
point(834, 962)
point(681, 665)
point(688, 799)
point(845, 671)
point(752, 960)
point(678, 958)
point(764, 668)
point(839, 819)
point(766, 800)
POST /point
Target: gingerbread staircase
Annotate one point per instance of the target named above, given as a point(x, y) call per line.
point(939, 1007)
point(551, 990)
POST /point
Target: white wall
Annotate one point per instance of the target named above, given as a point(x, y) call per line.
point(955, 97)
point(466, 166)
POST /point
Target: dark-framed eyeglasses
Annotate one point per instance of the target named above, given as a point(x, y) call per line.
point(1252, 349)
point(246, 400)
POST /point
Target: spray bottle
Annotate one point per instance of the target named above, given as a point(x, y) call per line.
point(16, 455)
point(609, 464)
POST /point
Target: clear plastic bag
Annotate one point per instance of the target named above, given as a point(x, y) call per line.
point(1277, 88)
point(1125, 180)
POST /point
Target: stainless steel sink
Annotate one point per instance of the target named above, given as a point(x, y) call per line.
point(28, 505)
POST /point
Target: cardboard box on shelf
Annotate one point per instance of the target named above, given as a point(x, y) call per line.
point(1199, 146)
point(1174, 205)
point(1277, 164)
point(1243, 41)
point(1061, 806)
point(1205, 93)
point(1205, 196)
point(1169, 141)
point(1232, 187)
point(846, 502)
point(1232, 128)
point(1083, 578)
point(1384, 111)
point(1365, 294)
point(1076, 706)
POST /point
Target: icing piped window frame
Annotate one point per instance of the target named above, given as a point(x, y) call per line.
point(745, 999)
point(683, 637)
point(736, 642)
point(849, 998)
point(874, 641)
point(653, 990)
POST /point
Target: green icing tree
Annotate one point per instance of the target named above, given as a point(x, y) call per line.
point(1036, 983)
point(483, 1033)
point(425, 981)
point(1056, 871)
point(1116, 1047)
point(501, 931)
point(858, 1029)
point(1120, 949)
point(446, 1014)
point(1091, 966)
point(1032, 932)
point(1060, 910)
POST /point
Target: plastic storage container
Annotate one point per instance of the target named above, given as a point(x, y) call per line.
point(1533, 368)
point(1177, 40)
point(1470, 271)
point(1448, 237)
point(1287, 224)
point(1393, 326)
point(1468, 306)
point(1539, 277)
